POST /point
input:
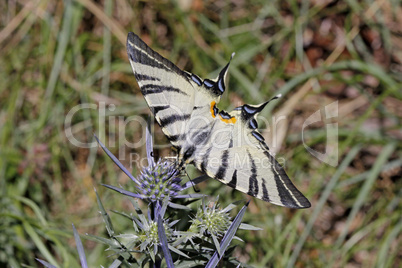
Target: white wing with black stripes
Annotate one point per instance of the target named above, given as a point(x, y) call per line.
point(226, 146)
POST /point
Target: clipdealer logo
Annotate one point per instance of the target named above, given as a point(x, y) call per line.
point(328, 114)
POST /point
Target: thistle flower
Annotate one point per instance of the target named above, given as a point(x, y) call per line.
point(160, 181)
point(147, 237)
point(211, 220)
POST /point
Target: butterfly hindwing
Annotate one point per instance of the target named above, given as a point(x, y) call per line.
point(226, 146)
point(256, 173)
point(238, 156)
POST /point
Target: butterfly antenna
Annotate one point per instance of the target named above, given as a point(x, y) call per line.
point(194, 185)
point(275, 97)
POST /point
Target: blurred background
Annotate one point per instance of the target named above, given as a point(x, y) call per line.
point(67, 59)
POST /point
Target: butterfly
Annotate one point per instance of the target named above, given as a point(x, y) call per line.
point(225, 146)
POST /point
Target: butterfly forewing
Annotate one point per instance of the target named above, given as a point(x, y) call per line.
point(224, 145)
point(166, 88)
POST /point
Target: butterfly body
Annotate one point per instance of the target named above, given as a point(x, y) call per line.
point(225, 146)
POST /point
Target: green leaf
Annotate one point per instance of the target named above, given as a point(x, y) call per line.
point(38, 242)
point(213, 262)
point(105, 216)
point(177, 251)
point(216, 243)
point(245, 226)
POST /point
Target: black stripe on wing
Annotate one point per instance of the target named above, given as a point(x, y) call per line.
point(231, 142)
point(144, 77)
point(153, 89)
point(173, 119)
point(140, 52)
point(204, 163)
point(290, 196)
point(174, 138)
point(221, 173)
point(157, 108)
point(265, 195)
point(233, 181)
point(260, 138)
point(253, 182)
point(201, 137)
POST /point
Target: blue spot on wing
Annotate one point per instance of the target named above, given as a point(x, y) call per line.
point(224, 115)
point(250, 110)
point(208, 83)
point(258, 136)
point(221, 86)
point(253, 123)
point(196, 79)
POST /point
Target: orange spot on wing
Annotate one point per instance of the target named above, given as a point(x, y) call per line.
point(232, 120)
point(212, 108)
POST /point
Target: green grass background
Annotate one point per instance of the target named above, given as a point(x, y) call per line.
point(55, 55)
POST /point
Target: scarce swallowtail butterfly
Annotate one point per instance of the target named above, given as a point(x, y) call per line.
point(225, 146)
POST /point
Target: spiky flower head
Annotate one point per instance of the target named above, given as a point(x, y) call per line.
point(211, 220)
point(148, 235)
point(159, 181)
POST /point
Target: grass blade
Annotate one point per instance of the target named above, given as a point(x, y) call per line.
point(105, 216)
point(80, 248)
point(63, 39)
point(364, 192)
point(324, 197)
